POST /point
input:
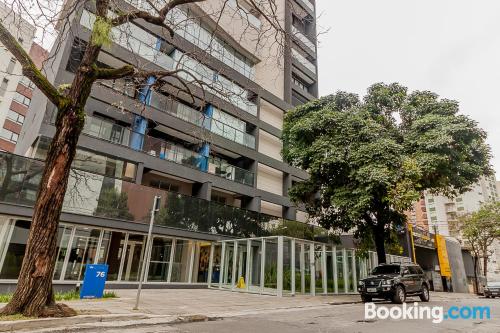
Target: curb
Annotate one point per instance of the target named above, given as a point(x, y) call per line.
point(31, 324)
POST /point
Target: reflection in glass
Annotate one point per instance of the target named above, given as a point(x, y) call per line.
point(133, 258)
point(180, 266)
point(82, 253)
point(160, 259)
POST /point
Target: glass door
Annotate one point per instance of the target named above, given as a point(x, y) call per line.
point(133, 258)
point(83, 252)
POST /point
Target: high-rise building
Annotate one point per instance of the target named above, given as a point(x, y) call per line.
point(214, 156)
point(15, 90)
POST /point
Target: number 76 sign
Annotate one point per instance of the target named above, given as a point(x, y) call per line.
point(94, 281)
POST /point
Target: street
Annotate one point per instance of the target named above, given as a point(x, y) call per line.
point(335, 318)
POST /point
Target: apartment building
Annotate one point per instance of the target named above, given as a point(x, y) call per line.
point(15, 90)
point(443, 211)
point(212, 156)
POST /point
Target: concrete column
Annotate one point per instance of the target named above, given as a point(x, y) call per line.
point(139, 173)
point(287, 183)
point(290, 213)
point(253, 204)
point(205, 191)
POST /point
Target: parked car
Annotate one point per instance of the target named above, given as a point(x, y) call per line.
point(394, 282)
point(492, 289)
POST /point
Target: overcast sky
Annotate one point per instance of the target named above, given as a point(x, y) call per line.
point(451, 47)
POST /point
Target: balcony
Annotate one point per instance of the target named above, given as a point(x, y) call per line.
point(304, 61)
point(193, 116)
point(303, 38)
point(164, 150)
point(96, 195)
point(135, 40)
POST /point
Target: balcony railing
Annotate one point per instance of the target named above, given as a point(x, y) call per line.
point(125, 36)
point(93, 194)
point(303, 38)
point(308, 4)
point(162, 149)
point(303, 60)
point(193, 116)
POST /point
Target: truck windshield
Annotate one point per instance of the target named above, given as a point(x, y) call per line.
point(386, 269)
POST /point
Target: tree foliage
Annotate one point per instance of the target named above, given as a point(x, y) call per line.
point(370, 159)
point(479, 230)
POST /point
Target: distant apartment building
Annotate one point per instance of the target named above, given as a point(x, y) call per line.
point(15, 90)
point(417, 216)
point(443, 211)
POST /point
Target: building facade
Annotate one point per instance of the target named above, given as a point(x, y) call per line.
point(15, 90)
point(213, 156)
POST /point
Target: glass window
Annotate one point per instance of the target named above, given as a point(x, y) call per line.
point(114, 254)
point(65, 235)
point(83, 252)
point(133, 258)
point(160, 259)
point(180, 266)
point(386, 269)
point(15, 117)
point(14, 255)
point(9, 135)
point(22, 99)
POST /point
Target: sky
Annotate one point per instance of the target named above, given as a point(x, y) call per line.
point(449, 47)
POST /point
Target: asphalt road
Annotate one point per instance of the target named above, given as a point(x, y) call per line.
point(338, 318)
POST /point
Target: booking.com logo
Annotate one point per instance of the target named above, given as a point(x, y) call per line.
point(435, 313)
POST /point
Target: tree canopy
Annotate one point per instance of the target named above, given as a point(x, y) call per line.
point(370, 159)
point(479, 230)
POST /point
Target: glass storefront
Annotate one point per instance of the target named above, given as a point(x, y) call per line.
point(281, 265)
point(173, 260)
point(276, 265)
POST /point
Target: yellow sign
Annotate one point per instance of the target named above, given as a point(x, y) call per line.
point(444, 263)
point(241, 283)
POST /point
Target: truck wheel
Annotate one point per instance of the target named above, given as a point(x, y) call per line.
point(399, 295)
point(366, 298)
point(424, 296)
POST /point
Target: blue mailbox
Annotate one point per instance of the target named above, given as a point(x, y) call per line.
point(94, 281)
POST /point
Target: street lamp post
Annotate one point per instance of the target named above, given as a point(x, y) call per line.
point(147, 253)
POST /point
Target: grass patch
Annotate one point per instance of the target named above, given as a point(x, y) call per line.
point(15, 317)
point(64, 296)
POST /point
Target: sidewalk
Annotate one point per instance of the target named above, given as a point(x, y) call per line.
point(167, 306)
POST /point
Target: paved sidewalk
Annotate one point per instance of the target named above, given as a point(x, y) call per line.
point(207, 302)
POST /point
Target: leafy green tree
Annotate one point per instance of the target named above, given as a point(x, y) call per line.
point(369, 159)
point(479, 230)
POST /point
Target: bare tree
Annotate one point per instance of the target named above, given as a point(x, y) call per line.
point(34, 295)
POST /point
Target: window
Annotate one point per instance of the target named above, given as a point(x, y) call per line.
point(460, 208)
point(459, 199)
point(9, 135)
point(15, 117)
point(22, 99)
point(430, 200)
point(300, 83)
point(27, 83)
point(10, 66)
point(3, 86)
point(432, 209)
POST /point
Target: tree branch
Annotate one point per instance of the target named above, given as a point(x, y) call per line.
point(157, 20)
point(114, 73)
point(29, 68)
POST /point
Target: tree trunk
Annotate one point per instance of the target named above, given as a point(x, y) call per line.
point(379, 238)
point(34, 295)
point(476, 282)
point(485, 266)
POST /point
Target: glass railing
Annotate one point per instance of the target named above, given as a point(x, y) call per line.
point(108, 131)
point(308, 4)
point(93, 194)
point(193, 116)
point(231, 172)
point(134, 39)
point(303, 60)
point(303, 38)
point(179, 110)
